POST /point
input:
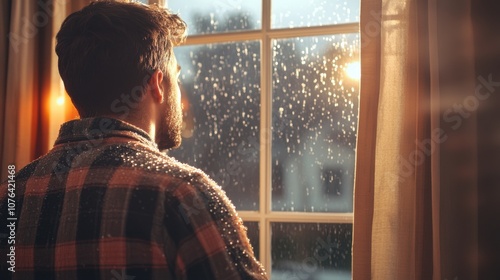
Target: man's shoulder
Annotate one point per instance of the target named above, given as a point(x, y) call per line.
point(124, 163)
point(24, 173)
point(160, 169)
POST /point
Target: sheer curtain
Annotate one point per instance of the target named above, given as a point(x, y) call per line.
point(416, 182)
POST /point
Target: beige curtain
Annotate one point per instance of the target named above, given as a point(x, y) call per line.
point(416, 181)
point(20, 91)
point(29, 82)
point(4, 44)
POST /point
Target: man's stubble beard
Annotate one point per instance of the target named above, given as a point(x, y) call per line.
point(169, 132)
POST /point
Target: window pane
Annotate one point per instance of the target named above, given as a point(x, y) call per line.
point(315, 110)
point(253, 235)
point(221, 98)
point(208, 17)
point(290, 14)
point(310, 251)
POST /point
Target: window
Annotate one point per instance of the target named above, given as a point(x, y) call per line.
point(270, 95)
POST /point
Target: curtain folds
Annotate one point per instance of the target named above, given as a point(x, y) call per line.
point(4, 46)
point(419, 220)
point(30, 86)
point(19, 108)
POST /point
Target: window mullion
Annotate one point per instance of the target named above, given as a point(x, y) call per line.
point(266, 137)
point(302, 217)
point(223, 37)
point(314, 30)
point(273, 33)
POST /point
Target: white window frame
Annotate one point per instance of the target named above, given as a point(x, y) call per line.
point(265, 216)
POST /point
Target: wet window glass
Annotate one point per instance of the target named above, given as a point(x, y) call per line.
point(311, 116)
point(306, 13)
point(311, 251)
point(218, 16)
point(220, 85)
point(315, 109)
point(253, 235)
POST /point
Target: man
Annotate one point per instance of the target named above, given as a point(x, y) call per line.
point(105, 203)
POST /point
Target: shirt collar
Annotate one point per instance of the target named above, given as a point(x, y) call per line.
point(101, 127)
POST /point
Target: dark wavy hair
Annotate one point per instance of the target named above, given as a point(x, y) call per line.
point(110, 48)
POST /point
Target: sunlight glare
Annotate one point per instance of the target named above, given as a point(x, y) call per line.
point(353, 70)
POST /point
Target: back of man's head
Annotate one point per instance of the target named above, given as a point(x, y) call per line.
point(111, 48)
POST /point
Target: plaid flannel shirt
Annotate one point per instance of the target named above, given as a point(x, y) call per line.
point(105, 203)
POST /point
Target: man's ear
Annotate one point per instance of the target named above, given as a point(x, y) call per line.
point(155, 85)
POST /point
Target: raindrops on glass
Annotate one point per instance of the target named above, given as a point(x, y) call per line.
point(220, 84)
point(218, 16)
point(311, 251)
point(306, 13)
point(314, 122)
